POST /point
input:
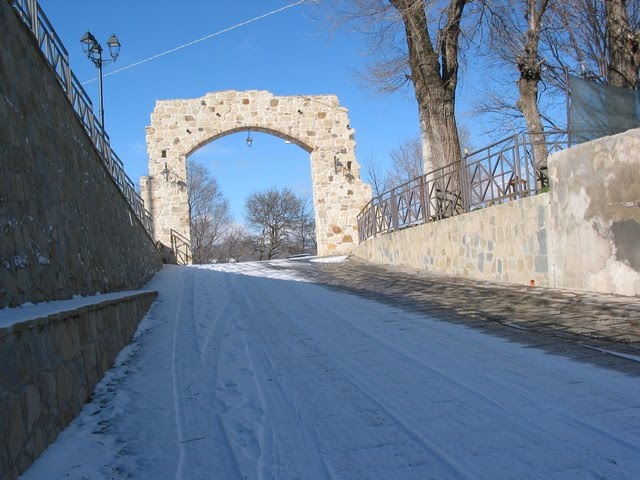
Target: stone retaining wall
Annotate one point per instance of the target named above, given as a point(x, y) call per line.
point(49, 367)
point(502, 243)
point(583, 235)
point(65, 227)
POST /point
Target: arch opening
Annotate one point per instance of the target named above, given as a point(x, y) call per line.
point(271, 169)
point(251, 128)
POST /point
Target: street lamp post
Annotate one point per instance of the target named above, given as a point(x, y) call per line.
point(93, 50)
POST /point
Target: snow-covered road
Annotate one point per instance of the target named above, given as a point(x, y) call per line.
point(248, 371)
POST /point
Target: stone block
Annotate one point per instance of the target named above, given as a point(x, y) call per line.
point(64, 384)
point(16, 432)
point(8, 361)
point(23, 351)
point(33, 406)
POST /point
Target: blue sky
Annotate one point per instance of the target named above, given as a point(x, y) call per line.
point(287, 53)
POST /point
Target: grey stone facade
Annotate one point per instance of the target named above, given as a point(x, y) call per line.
point(65, 227)
point(318, 124)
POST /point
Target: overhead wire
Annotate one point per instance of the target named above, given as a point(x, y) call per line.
point(206, 37)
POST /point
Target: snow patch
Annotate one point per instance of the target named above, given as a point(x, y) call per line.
point(29, 311)
point(337, 259)
point(20, 260)
point(43, 259)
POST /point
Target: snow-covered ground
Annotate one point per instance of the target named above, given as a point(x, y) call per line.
point(244, 371)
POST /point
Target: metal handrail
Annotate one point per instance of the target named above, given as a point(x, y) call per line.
point(501, 172)
point(181, 247)
point(31, 14)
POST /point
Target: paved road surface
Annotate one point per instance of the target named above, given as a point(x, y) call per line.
point(254, 371)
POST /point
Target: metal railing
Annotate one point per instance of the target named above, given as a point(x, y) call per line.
point(54, 51)
point(181, 247)
point(498, 173)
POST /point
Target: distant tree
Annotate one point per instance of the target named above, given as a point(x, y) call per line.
point(406, 164)
point(208, 212)
point(406, 161)
point(236, 245)
point(375, 176)
point(304, 233)
point(273, 214)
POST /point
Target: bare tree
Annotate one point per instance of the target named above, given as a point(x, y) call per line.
point(406, 164)
point(515, 29)
point(599, 39)
point(303, 236)
point(434, 75)
point(236, 245)
point(406, 161)
point(418, 41)
point(208, 212)
point(375, 176)
point(273, 215)
point(624, 44)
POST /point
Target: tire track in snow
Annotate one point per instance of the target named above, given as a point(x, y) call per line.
point(283, 455)
point(499, 399)
point(499, 410)
point(265, 302)
point(409, 357)
point(204, 444)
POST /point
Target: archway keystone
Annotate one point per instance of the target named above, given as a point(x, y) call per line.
point(318, 124)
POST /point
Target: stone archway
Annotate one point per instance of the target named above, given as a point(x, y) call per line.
point(318, 124)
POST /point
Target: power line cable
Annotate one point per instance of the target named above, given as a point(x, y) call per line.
point(207, 37)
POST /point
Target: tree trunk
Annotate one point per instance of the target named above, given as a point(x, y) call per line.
point(529, 66)
point(624, 48)
point(434, 76)
point(528, 105)
point(427, 159)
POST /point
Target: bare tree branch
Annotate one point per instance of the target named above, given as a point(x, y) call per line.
point(208, 212)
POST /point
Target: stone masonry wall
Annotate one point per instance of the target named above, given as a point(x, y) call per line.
point(583, 235)
point(595, 207)
point(49, 368)
point(65, 228)
point(317, 124)
point(501, 243)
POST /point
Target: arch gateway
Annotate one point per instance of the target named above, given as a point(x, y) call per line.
point(318, 124)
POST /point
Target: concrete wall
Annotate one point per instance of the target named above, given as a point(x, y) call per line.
point(65, 228)
point(502, 243)
point(318, 124)
point(49, 367)
point(595, 211)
